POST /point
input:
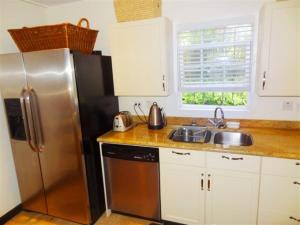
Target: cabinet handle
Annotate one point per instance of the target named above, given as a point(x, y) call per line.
point(208, 182)
point(295, 182)
point(241, 158)
point(202, 182)
point(225, 157)
point(164, 87)
point(264, 81)
point(179, 153)
point(297, 163)
point(293, 218)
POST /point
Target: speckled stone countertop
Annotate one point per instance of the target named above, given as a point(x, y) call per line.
point(282, 143)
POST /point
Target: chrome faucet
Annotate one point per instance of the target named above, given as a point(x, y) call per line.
point(218, 122)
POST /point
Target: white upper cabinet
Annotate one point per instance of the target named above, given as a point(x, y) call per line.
point(141, 57)
point(279, 49)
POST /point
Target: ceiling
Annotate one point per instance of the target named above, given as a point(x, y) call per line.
point(58, 2)
point(53, 2)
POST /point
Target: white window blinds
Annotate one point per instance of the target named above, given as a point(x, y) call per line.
point(215, 59)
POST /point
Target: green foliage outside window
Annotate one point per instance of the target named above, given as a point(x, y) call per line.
point(215, 98)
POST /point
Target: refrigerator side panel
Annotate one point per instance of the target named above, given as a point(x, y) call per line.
point(12, 81)
point(50, 75)
point(97, 107)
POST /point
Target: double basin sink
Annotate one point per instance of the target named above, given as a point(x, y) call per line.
point(197, 134)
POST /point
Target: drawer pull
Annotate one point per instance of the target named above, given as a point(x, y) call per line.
point(295, 182)
point(297, 163)
point(179, 153)
point(208, 183)
point(237, 158)
point(293, 218)
point(225, 157)
point(202, 182)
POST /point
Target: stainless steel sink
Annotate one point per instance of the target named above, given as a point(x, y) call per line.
point(232, 138)
point(197, 134)
point(193, 134)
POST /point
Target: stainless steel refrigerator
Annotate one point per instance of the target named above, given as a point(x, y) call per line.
point(57, 103)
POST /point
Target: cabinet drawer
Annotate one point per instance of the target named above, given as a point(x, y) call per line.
point(266, 217)
point(242, 163)
point(281, 167)
point(182, 157)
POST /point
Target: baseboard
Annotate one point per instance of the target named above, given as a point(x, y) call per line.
point(9, 215)
point(171, 223)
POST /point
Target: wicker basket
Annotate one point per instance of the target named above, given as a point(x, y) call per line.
point(137, 9)
point(64, 35)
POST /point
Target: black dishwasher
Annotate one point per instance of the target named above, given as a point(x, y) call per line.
point(132, 180)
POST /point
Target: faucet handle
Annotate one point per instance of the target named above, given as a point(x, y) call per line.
point(221, 125)
point(194, 122)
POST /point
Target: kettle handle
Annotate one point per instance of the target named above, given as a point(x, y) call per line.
point(164, 117)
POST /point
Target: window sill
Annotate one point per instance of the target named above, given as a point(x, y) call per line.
point(241, 109)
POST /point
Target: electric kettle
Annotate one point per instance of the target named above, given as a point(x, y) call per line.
point(157, 118)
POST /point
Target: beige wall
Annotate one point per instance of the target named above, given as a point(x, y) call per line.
point(13, 14)
point(101, 15)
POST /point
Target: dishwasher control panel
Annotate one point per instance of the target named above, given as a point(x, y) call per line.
point(127, 152)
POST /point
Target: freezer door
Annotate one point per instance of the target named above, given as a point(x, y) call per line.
point(12, 82)
point(50, 77)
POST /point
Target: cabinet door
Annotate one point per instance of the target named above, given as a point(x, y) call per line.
point(232, 198)
point(279, 70)
point(182, 197)
point(279, 200)
point(139, 61)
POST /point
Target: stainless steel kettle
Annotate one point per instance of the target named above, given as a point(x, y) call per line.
point(157, 117)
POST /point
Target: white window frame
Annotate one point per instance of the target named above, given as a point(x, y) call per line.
point(208, 24)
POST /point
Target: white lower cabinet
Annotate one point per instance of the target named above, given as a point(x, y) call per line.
point(232, 198)
point(182, 199)
point(201, 194)
point(279, 192)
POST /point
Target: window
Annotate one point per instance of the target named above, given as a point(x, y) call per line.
point(214, 64)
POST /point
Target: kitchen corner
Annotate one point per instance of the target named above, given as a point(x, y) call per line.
point(149, 112)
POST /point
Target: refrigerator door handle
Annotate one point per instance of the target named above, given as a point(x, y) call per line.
point(37, 120)
point(26, 113)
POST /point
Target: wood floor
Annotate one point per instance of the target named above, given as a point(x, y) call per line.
point(29, 218)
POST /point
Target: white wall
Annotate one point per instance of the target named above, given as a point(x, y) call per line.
point(13, 14)
point(17, 14)
point(9, 192)
point(98, 12)
point(101, 15)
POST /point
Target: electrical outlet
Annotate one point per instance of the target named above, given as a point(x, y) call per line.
point(288, 106)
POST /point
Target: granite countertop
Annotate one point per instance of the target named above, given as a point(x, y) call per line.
point(282, 143)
